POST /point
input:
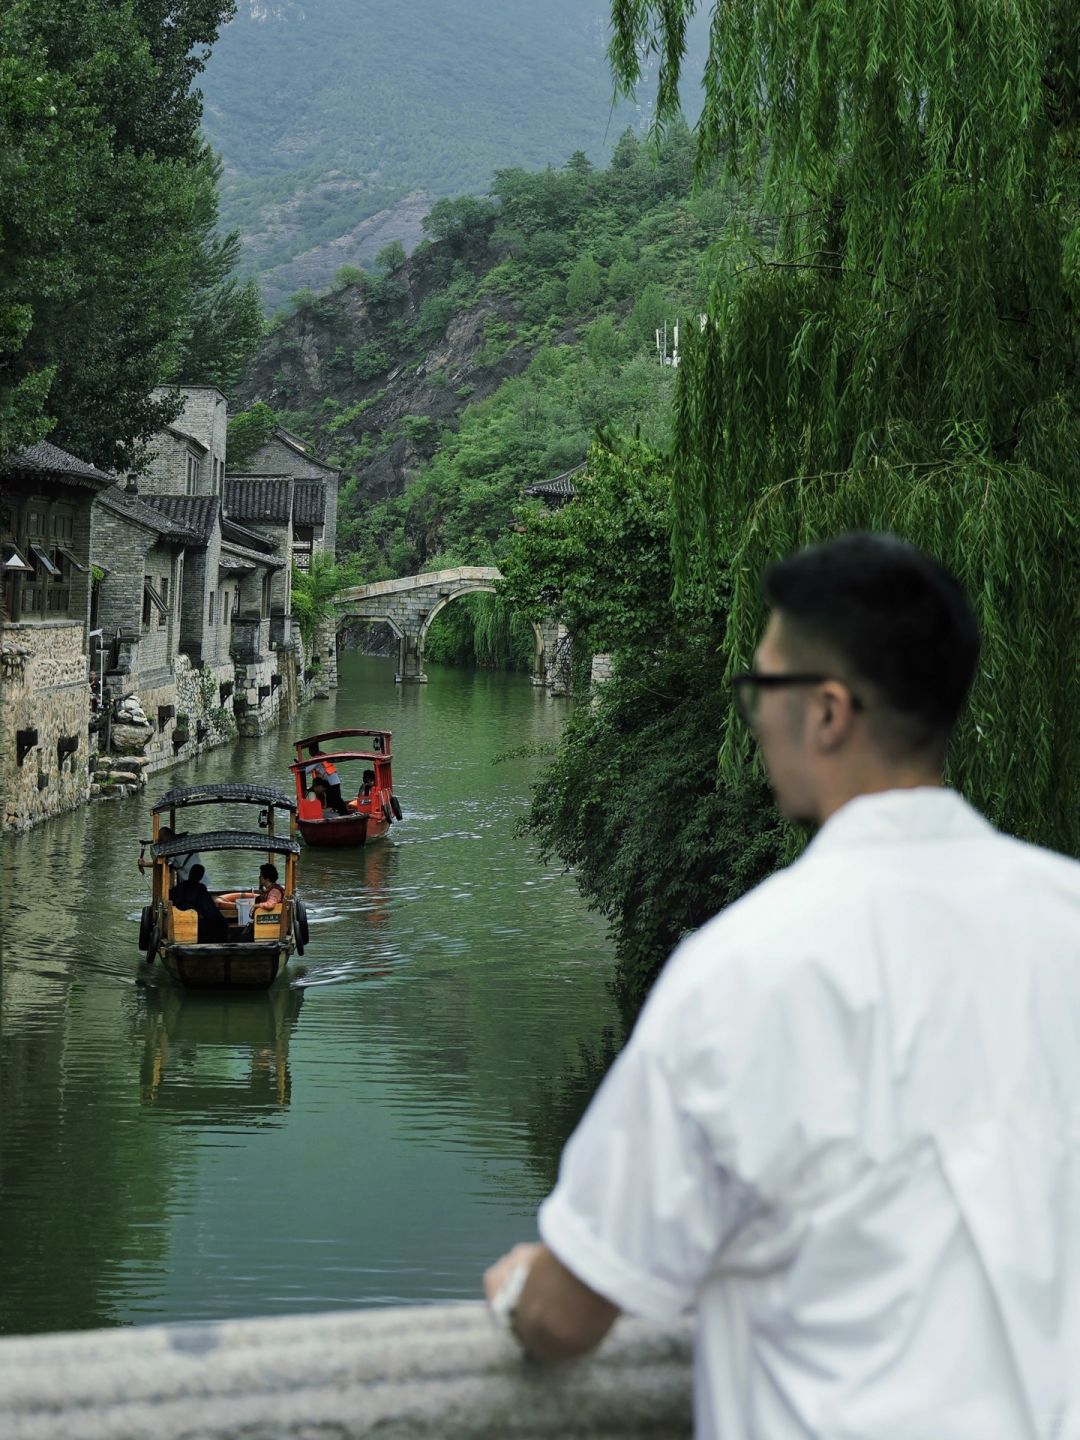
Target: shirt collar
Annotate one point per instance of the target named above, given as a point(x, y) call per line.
point(897, 817)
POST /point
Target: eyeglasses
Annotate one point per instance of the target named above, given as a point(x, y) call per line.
point(749, 685)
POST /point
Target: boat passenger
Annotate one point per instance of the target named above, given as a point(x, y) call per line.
point(367, 787)
point(321, 791)
point(269, 894)
point(192, 894)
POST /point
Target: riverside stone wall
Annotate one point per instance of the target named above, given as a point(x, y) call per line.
point(44, 694)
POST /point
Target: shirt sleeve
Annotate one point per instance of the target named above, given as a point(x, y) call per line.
point(642, 1208)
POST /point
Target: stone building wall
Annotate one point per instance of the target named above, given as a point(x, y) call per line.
point(278, 458)
point(160, 637)
point(280, 534)
point(258, 695)
point(44, 687)
point(120, 547)
point(205, 415)
point(165, 470)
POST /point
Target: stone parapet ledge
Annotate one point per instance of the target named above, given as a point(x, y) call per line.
point(461, 573)
point(417, 1373)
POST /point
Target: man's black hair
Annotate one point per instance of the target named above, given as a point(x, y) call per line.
point(268, 872)
point(196, 873)
point(892, 617)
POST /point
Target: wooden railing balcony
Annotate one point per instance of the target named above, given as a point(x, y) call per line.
point(417, 1373)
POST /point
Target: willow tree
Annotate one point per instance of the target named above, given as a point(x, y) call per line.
point(905, 357)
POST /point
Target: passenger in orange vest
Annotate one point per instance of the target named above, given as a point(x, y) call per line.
point(328, 771)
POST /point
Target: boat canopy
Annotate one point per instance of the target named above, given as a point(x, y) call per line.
point(225, 794)
point(382, 736)
point(224, 840)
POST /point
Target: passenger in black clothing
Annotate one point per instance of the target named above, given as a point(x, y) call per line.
point(192, 894)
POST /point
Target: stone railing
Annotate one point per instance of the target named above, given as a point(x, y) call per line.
point(422, 1373)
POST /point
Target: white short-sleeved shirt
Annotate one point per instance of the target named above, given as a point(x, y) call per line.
point(846, 1131)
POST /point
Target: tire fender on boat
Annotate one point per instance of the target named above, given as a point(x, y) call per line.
point(146, 924)
point(388, 814)
point(395, 806)
point(300, 923)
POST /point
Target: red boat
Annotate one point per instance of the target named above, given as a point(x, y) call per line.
point(344, 795)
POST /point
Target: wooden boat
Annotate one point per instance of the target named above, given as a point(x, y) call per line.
point(367, 811)
point(170, 934)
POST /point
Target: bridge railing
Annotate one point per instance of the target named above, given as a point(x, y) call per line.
point(417, 1373)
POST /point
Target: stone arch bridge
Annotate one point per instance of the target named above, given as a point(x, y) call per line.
point(410, 604)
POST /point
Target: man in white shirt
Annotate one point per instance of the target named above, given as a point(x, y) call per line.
point(846, 1129)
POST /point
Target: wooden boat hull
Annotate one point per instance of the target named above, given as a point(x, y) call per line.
point(253, 965)
point(344, 830)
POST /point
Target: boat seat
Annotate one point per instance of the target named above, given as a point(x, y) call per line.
point(183, 926)
point(268, 923)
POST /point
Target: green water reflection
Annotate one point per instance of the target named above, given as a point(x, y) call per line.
point(372, 1130)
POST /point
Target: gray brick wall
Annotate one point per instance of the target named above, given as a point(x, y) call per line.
point(165, 472)
point(277, 458)
point(120, 547)
point(205, 417)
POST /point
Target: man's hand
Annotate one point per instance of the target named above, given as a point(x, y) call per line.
point(557, 1316)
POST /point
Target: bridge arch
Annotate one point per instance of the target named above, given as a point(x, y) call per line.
point(409, 605)
point(539, 669)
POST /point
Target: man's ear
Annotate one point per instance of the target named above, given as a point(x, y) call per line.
point(835, 715)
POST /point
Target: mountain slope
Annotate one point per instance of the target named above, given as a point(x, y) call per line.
point(330, 112)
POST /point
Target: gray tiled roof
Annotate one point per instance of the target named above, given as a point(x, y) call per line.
point(241, 552)
point(240, 535)
point(134, 507)
point(195, 512)
point(562, 487)
point(309, 502)
point(259, 498)
point(299, 447)
point(46, 459)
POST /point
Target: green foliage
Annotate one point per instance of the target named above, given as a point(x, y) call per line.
point(454, 219)
point(370, 360)
point(601, 563)
point(224, 320)
point(632, 805)
point(248, 432)
point(481, 630)
point(907, 358)
point(346, 275)
point(584, 284)
point(328, 153)
point(314, 591)
point(391, 257)
point(632, 802)
point(110, 271)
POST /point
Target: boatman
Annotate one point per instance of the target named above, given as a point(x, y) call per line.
point(846, 1129)
point(328, 771)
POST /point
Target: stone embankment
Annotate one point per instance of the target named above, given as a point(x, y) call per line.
point(421, 1373)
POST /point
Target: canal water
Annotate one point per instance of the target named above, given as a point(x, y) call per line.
point(371, 1131)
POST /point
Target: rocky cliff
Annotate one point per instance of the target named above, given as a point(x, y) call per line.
point(374, 373)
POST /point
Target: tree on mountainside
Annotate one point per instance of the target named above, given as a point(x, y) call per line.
point(907, 358)
point(584, 284)
point(391, 257)
point(110, 272)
